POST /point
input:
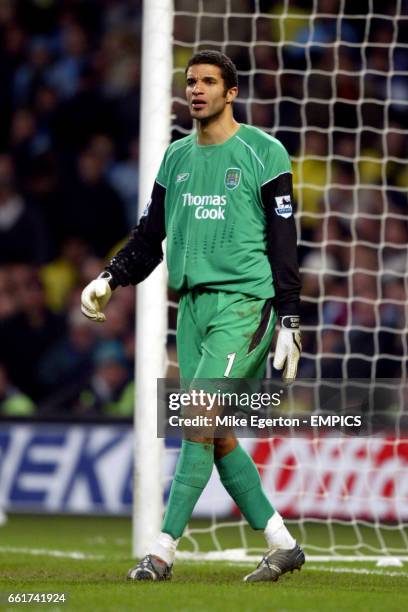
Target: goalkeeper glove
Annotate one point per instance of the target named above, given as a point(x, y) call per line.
point(288, 348)
point(95, 296)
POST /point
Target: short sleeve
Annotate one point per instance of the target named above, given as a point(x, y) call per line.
point(277, 162)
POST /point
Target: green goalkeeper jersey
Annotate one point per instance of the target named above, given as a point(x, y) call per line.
point(226, 211)
point(215, 214)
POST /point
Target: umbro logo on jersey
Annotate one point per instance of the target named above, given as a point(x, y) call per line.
point(182, 177)
point(283, 206)
point(232, 178)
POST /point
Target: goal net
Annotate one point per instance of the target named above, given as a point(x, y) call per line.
point(329, 79)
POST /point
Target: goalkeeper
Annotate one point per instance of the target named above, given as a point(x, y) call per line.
point(223, 199)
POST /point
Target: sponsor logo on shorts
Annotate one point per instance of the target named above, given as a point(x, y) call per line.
point(232, 178)
point(283, 206)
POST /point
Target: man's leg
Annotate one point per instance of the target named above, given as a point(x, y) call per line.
point(196, 459)
point(236, 347)
point(245, 329)
point(193, 470)
point(240, 477)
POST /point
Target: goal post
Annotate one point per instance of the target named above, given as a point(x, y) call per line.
point(151, 301)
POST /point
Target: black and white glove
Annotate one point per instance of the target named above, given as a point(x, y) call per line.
point(95, 296)
point(288, 348)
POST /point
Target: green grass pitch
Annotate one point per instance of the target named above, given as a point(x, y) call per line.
point(37, 555)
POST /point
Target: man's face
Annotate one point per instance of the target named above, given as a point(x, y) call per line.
point(206, 94)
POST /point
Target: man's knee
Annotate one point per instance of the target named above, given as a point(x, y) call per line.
point(199, 439)
point(223, 446)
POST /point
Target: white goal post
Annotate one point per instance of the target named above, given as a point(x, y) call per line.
point(151, 302)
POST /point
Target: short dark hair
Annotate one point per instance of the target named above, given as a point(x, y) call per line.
point(225, 64)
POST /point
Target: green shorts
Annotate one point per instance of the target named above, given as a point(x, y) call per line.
point(222, 334)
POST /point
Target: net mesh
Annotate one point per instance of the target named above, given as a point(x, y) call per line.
point(329, 79)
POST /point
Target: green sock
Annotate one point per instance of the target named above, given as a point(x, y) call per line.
point(193, 471)
point(240, 477)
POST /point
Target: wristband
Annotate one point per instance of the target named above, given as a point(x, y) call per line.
point(290, 321)
point(108, 276)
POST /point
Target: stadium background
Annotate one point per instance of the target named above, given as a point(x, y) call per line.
point(69, 111)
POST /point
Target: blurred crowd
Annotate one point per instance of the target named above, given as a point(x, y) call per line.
point(69, 111)
point(334, 90)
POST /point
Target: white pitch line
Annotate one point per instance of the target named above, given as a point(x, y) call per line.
point(355, 570)
point(352, 558)
point(336, 570)
point(64, 554)
point(240, 555)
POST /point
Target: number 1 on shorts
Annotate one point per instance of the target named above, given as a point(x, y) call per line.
point(230, 358)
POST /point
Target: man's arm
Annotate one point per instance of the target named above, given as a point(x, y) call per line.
point(143, 251)
point(132, 264)
point(277, 199)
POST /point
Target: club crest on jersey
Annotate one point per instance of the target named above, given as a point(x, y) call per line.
point(182, 177)
point(283, 206)
point(232, 178)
